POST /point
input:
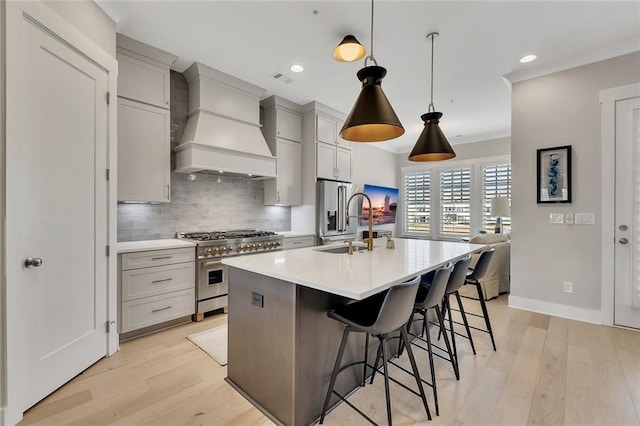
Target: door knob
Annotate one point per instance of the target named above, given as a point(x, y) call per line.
point(32, 262)
point(623, 241)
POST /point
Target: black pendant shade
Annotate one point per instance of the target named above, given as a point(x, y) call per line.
point(372, 119)
point(432, 145)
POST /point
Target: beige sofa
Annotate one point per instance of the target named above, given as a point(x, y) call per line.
point(496, 280)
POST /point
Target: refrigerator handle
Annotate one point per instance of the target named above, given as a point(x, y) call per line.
point(340, 208)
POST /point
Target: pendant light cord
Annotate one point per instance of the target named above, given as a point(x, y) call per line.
point(433, 36)
point(371, 55)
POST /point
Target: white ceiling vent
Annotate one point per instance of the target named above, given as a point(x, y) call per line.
point(283, 78)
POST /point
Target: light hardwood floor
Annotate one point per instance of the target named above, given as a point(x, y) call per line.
point(547, 371)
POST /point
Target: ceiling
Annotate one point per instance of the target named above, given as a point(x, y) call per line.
point(480, 43)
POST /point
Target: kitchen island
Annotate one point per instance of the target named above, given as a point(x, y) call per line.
point(282, 345)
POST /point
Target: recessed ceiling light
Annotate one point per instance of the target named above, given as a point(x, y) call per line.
point(527, 58)
point(296, 68)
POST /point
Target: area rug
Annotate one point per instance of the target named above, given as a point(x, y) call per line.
point(213, 342)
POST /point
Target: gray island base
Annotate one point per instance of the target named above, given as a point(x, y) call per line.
point(281, 344)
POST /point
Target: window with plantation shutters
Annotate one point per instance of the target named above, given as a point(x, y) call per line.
point(496, 182)
point(417, 200)
point(455, 201)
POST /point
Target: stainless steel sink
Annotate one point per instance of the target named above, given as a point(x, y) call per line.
point(341, 249)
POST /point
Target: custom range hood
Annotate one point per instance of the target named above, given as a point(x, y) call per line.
point(223, 134)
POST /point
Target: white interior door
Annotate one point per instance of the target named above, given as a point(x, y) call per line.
point(627, 214)
point(56, 210)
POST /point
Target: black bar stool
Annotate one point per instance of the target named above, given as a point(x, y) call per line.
point(456, 280)
point(473, 278)
point(431, 298)
point(378, 315)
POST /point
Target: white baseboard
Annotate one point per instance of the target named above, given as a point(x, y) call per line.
point(557, 310)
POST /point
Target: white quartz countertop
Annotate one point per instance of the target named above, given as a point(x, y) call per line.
point(293, 234)
point(131, 246)
point(357, 276)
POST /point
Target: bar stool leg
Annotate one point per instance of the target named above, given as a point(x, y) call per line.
point(385, 360)
point(375, 365)
point(401, 345)
point(366, 359)
point(487, 322)
point(432, 369)
point(453, 339)
point(454, 362)
point(464, 320)
point(336, 370)
point(416, 374)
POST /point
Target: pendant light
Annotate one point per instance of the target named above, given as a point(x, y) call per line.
point(432, 145)
point(349, 49)
point(372, 118)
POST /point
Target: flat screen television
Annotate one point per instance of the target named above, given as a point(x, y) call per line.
point(385, 203)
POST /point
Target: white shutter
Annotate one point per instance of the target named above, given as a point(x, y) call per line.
point(496, 182)
point(417, 199)
point(455, 201)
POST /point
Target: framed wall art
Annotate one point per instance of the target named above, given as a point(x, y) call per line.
point(554, 175)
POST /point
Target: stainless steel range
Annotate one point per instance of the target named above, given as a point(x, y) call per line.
point(213, 246)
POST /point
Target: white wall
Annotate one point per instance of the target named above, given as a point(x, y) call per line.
point(90, 19)
point(377, 167)
point(553, 110)
point(3, 335)
point(467, 151)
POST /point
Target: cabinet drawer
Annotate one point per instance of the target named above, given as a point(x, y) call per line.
point(142, 81)
point(157, 309)
point(145, 259)
point(145, 282)
point(299, 242)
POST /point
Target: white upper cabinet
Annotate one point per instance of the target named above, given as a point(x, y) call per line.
point(282, 129)
point(326, 161)
point(143, 81)
point(144, 160)
point(343, 164)
point(144, 139)
point(328, 131)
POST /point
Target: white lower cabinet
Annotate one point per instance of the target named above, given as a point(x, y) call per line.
point(155, 286)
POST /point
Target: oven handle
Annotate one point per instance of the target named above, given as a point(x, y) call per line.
point(215, 262)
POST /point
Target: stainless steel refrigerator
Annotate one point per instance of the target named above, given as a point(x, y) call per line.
point(331, 212)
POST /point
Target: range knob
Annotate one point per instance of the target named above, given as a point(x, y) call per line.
point(240, 247)
point(259, 245)
point(216, 251)
point(223, 250)
point(277, 243)
point(267, 245)
point(229, 249)
point(207, 251)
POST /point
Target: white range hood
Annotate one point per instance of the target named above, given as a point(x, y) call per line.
point(223, 129)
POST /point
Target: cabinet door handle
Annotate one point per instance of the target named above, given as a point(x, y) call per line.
point(161, 281)
point(161, 257)
point(168, 191)
point(278, 192)
point(161, 309)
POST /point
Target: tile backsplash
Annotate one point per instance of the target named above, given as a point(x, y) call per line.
point(207, 203)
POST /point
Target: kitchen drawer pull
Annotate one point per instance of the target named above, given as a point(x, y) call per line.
point(161, 257)
point(161, 309)
point(161, 281)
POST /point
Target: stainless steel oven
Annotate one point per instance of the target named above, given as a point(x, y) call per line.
point(213, 286)
point(213, 246)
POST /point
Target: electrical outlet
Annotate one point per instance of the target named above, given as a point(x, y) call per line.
point(568, 287)
point(257, 299)
point(556, 218)
point(569, 218)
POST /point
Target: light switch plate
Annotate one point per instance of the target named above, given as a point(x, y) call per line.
point(585, 219)
point(556, 218)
